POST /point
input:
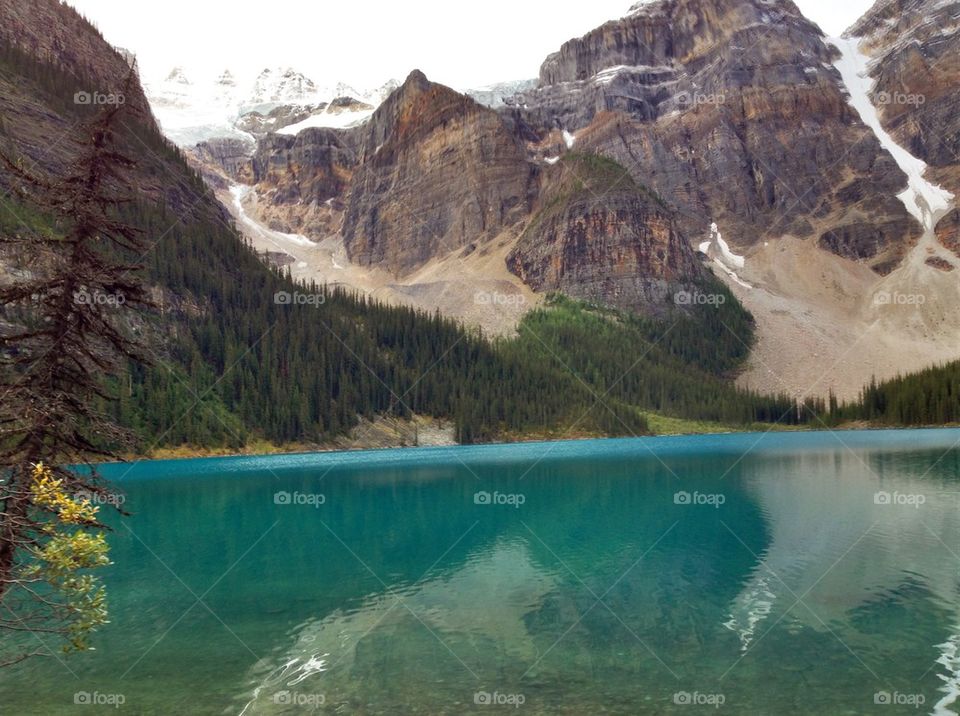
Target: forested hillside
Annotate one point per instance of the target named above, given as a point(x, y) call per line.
point(929, 397)
point(233, 362)
point(680, 367)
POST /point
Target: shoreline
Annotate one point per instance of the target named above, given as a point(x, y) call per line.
point(295, 449)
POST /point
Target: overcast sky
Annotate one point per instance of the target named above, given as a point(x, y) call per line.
point(366, 43)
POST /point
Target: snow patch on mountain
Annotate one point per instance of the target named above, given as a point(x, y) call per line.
point(193, 110)
point(279, 239)
point(334, 120)
point(495, 95)
point(925, 201)
point(719, 252)
point(282, 86)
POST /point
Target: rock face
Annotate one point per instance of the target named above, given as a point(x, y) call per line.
point(42, 127)
point(866, 239)
point(948, 231)
point(436, 172)
point(732, 111)
point(301, 179)
point(599, 236)
point(637, 39)
point(230, 156)
point(54, 33)
point(915, 45)
point(312, 166)
point(257, 123)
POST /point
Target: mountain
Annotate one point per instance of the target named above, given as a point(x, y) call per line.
point(740, 116)
point(914, 46)
point(232, 362)
point(685, 145)
point(624, 249)
point(718, 163)
point(497, 94)
point(437, 171)
point(193, 110)
point(737, 136)
point(440, 196)
point(281, 86)
point(63, 38)
point(241, 352)
point(732, 111)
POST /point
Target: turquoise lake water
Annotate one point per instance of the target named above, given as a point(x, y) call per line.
point(800, 573)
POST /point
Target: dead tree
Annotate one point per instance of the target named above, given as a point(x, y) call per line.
point(66, 328)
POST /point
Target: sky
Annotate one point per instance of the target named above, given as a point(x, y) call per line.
point(365, 43)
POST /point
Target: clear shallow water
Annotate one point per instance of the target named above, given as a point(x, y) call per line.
point(793, 573)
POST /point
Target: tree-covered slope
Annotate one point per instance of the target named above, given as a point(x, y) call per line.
point(679, 367)
point(928, 397)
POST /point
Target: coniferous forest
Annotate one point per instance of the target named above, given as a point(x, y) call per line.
point(928, 397)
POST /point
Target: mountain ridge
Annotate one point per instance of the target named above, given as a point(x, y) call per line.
point(733, 113)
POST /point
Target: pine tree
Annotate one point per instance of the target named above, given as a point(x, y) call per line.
point(67, 311)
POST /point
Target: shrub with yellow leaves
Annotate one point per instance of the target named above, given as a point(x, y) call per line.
point(72, 544)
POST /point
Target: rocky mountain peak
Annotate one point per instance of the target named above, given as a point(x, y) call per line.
point(416, 78)
point(664, 33)
point(415, 84)
point(177, 76)
point(276, 85)
point(598, 235)
point(418, 105)
point(437, 172)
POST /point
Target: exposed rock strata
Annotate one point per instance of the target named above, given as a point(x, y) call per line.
point(916, 49)
point(599, 236)
point(437, 171)
point(732, 111)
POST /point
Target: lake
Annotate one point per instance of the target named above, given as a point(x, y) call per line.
point(800, 573)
